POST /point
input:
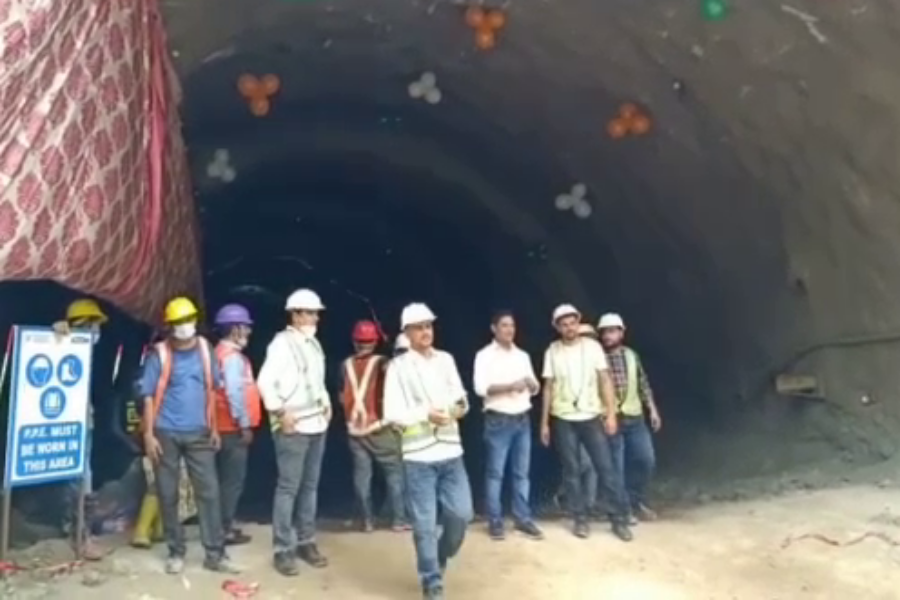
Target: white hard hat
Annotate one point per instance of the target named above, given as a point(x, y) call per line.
point(402, 342)
point(586, 329)
point(565, 310)
point(610, 320)
point(304, 299)
point(415, 313)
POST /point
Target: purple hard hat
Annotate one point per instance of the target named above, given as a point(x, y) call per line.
point(233, 314)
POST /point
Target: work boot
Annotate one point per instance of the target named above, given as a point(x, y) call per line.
point(236, 537)
point(220, 564)
point(582, 529)
point(495, 530)
point(367, 526)
point(621, 531)
point(147, 518)
point(309, 554)
point(530, 529)
point(645, 513)
point(434, 593)
point(286, 564)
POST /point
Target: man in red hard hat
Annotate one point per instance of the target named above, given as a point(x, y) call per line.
point(371, 439)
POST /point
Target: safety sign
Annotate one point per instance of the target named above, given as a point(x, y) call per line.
point(48, 408)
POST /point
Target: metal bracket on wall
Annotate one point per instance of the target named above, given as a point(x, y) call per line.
point(802, 387)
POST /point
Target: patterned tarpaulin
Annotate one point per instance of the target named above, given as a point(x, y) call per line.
point(94, 187)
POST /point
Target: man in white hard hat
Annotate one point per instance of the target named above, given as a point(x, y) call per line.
point(632, 446)
point(577, 386)
point(292, 384)
point(504, 377)
point(424, 395)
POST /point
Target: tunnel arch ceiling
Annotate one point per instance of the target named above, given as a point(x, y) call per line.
point(759, 215)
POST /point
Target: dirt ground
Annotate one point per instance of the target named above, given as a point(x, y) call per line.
point(718, 551)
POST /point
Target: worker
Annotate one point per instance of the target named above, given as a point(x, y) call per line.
point(632, 446)
point(576, 378)
point(401, 344)
point(84, 314)
point(424, 395)
point(238, 413)
point(292, 384)
point(505, 379)
point(589, 479)
point(178, 385)
point(370, 437)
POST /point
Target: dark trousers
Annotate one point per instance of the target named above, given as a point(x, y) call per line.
point(200, 458)
point(299, 458)
point(231, 465)
point(382, 447)
point(508, 437)
point(437, 494)
point(567, 436)
point(634, 458)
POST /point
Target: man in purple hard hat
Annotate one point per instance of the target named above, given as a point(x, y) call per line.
point(238, 412)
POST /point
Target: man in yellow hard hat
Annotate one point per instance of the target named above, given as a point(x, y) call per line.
point(83, 313)
point(179, 386)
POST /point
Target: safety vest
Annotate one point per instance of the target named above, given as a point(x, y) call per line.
point(225, 421)
point(629, 399)
point(132, 418)
point(164, 351)
point(365, 389)
point(312, 406)
point(422, 435)
point(568, 396)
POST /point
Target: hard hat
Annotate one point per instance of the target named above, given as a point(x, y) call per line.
point(233, 314)
point(611, 320)
point(304, 299)
point(85, 308)
point(415, 313)
point(366, 332)
point(179, 309)
point(565, 310)
point(402, 342)
point(586, 329)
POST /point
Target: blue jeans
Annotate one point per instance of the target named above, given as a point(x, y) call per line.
point(633, 455)
point(437, 494)
point(295, 505)
point(508, 436)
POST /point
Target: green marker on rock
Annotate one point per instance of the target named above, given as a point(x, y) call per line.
point(714, 10)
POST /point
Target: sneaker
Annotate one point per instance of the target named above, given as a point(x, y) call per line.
point(582, 529)
point(621, 531)
point(286, 564)
point(309, 554)
point(220, 564)
point(530, 529)
point(367, 526)
point(175, 565)
point(496, 531)
point(645, 513)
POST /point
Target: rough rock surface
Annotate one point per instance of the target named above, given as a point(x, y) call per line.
point(757, 219)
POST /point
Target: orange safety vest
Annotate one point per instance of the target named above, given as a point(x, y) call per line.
point(164, 351)
point(364, 383)
point(224, 419)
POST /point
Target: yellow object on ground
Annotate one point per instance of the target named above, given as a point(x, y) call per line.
point(187, 507)
point(147, 518)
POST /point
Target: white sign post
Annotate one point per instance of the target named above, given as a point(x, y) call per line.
point(49, 399)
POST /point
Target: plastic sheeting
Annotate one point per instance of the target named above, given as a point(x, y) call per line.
point(94, 186)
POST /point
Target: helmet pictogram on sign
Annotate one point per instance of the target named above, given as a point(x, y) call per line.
point(39, 370)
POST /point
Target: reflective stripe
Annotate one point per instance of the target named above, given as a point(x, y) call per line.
point(565, 399)
point(358, 389)
point(311, 407)
point(423, 435)
point(132, 417)
point(630, 404)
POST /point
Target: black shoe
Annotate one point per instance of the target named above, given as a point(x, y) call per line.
point(286, 564)
point(582, 529)
point(236, 537)
point(496, 531)
point(530, 529)
point(435, 593)
point(220, 564)
point(309, 554)
point(622, 531)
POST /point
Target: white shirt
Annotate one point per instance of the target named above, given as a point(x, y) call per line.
point(578, 362)
point(414, 385)
point(292, 375)
point(496, 365)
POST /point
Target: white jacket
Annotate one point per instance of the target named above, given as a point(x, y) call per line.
point(292, 379)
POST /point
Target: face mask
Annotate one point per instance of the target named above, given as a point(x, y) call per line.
point(309, 330)
point(185, 331)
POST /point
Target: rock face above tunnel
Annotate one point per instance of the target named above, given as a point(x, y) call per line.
point(755, 219)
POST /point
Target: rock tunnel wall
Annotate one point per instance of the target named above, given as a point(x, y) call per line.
point(93, 187)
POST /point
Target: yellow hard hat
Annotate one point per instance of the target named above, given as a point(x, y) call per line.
point(85, 308)
point(179, 309)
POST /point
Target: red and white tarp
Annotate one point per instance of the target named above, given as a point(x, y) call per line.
point(94, 187)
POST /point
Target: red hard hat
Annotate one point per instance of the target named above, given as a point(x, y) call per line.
point(365, 331)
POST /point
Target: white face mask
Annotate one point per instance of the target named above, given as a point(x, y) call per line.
point(185, 331)
point(309, 330)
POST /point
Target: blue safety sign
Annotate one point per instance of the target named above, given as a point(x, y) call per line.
point(48, 408)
